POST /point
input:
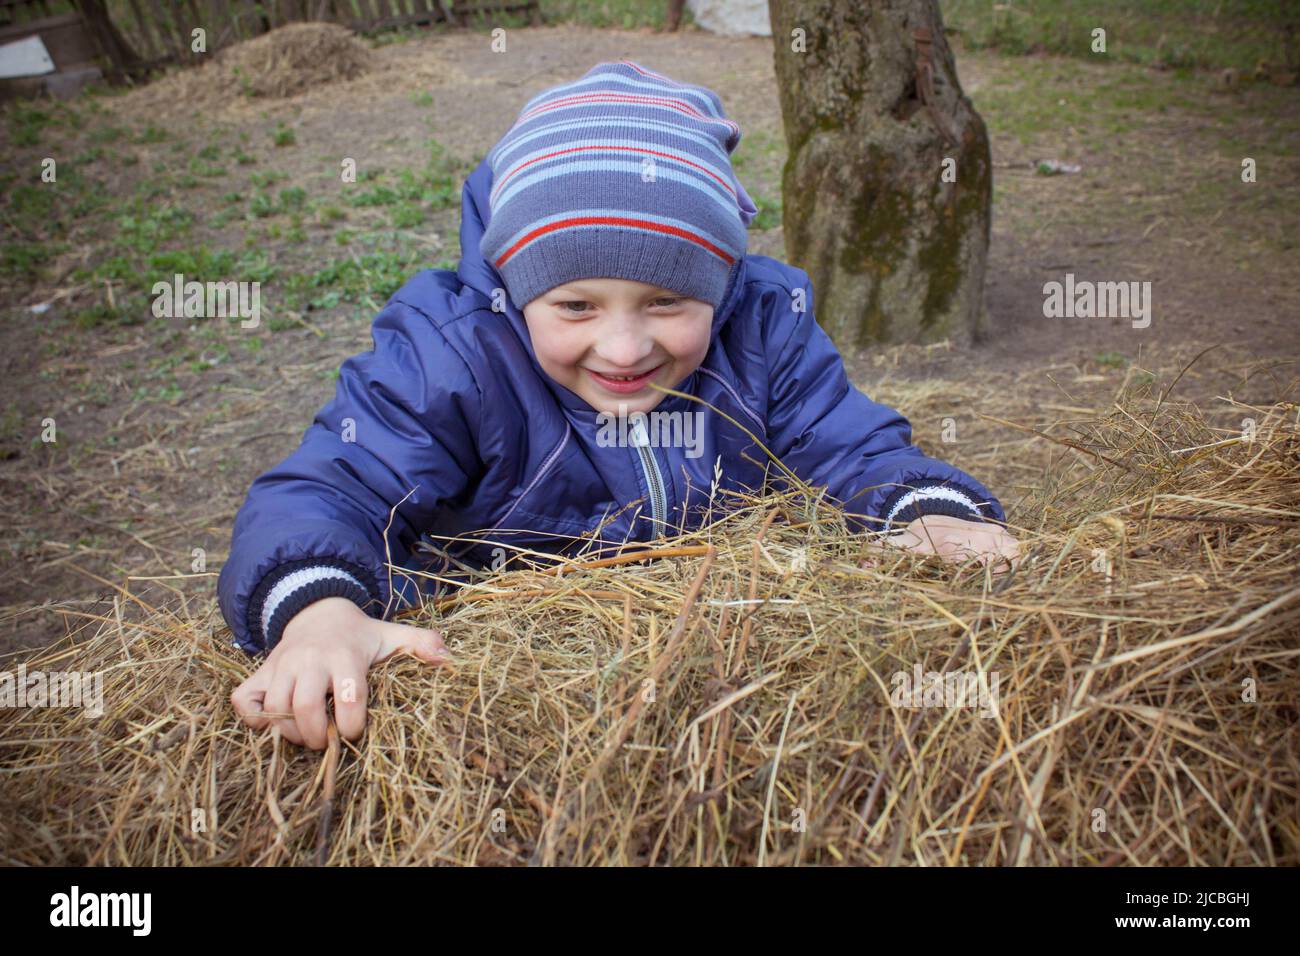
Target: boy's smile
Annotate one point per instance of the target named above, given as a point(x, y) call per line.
point(606, 340)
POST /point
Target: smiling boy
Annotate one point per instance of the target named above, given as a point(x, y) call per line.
point(606, 340)
point(603, 260)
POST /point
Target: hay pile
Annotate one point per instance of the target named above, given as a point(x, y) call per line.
point(737, 699)
point(285, 62)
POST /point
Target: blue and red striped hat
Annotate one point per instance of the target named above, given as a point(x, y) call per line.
point(622, 174)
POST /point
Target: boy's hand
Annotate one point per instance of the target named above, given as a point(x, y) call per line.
point(957, 539)
point(331, 644)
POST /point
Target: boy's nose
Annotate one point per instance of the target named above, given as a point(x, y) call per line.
point(624, 347)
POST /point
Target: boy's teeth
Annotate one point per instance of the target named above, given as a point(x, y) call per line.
point(623, 378)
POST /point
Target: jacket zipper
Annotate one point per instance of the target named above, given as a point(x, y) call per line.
point(655, 481)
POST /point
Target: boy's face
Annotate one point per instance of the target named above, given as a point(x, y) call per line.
point(586, 332)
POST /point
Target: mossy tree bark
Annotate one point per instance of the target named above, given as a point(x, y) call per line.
point(888, 182)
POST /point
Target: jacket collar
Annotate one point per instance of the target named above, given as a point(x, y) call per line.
point(477, 273)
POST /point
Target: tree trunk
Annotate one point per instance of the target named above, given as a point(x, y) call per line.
point(888, 181)
point(673, 20)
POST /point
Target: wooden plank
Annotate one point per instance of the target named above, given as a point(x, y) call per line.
point(93, 23)
point(66, 37)
point(167, 27)
point(16, 31)
point(464, 8)
point(23, 11)
point(224, 18)
point(257, 21)
point(195, 20)
point(180, 21)
point(112, 43)
point(408, 19)
point(189, 19)
point(354, 14)
point(149, 43)
point(244, 17)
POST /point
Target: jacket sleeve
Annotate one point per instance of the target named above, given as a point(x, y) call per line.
point(397, 438)
point(830, 434)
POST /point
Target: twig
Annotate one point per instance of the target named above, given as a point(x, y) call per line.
point(326, 815)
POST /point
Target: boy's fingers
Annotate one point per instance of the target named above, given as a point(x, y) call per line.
point(350, 695)
point(309, 708)
point(422, 643)
point(279, 700)
point(248, 698)
point(958, 544)
point(1011, 551)
point(881, 543)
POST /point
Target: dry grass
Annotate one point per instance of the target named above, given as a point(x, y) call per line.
point(283, 63)
point(732, 701)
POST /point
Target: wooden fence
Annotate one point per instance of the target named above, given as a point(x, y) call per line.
point(136, 36)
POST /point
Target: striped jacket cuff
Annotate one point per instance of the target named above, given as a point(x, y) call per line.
point(932, 497)
point(292, 586)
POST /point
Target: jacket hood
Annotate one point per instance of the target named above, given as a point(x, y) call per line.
point(477, 273)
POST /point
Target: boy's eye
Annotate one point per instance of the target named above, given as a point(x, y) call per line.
point(579, 306)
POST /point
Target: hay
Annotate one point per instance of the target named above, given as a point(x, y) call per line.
point(283, 63)
point(735, 701)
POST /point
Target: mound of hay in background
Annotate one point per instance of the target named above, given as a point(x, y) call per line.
point(293, 58)
point(289, 60)
point(759, 692)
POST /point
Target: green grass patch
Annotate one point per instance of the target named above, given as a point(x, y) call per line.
point(436, 186)
point(370, 279)
point(22, 261)
point(1172, 34)
point(769, 213)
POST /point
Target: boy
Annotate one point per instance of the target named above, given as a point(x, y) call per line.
point(603, 253)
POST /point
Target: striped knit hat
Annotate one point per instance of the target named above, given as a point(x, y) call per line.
point(622, 174)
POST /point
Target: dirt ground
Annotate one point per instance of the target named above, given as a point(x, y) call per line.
point(137, 483)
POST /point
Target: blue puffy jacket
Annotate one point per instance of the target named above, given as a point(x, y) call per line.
point(447, 441)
